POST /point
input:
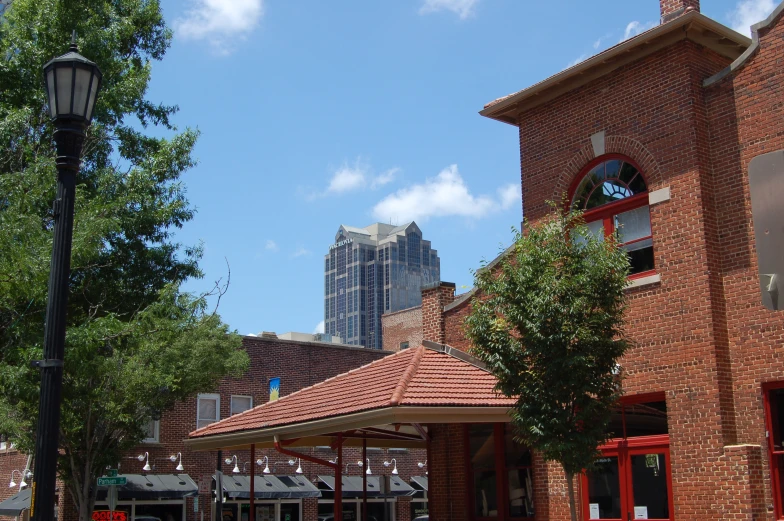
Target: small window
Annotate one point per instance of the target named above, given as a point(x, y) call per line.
point(152, 431)
point(240, 404)
point(403, 345)
point(613, 195)
point(398, 450)
point(208, 410)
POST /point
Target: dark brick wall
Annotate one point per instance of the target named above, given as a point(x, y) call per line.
point(402, 326)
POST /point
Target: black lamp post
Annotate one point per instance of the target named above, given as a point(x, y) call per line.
point(72, 83)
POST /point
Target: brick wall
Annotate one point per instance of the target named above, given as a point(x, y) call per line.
point(401, 326)
point(700, 333)
point(672, 8)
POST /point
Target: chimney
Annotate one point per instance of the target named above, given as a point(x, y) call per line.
point(434, 297)
point(674, 8)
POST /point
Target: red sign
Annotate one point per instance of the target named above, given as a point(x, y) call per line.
point(108, 515)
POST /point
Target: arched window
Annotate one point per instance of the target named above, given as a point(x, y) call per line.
point(614, 196)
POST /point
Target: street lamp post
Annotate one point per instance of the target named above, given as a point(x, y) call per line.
point(72, 84)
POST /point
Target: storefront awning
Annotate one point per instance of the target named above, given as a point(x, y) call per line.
point(352, 486)
point(419, 482)
point(269, 487)
point(14, 505)
point(154, 486)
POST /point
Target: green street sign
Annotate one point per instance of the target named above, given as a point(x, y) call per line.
point(117, 480)
point(112, 473)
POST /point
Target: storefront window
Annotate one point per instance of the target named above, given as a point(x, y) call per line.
point(519, 477)
point(631, 480)
point(481, 440)
point(604, 490)
point(501, 473)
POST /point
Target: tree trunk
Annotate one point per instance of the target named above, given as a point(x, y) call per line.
point(570, 486)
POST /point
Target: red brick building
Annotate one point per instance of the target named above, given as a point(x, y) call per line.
point(657, 134)
point(297, 365)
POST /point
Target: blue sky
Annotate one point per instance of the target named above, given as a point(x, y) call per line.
point(318, 113)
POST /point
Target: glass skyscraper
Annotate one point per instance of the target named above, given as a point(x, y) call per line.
point(371, 271)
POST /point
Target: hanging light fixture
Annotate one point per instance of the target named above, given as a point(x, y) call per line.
point(367, 470)
point(146, 458)
point(266, 467)
point(12, 484)
point(236, 468)
point(174, 458)
point(388, 463)
point(422, 465)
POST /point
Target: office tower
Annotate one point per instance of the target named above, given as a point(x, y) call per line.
point(371, 271)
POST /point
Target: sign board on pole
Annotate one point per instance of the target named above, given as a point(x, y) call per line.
point(205, 484)
point(118, 480)
point(111, 498)
point(112, 473)
point(766, 187)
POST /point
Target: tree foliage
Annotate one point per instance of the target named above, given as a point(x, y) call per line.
point(549, 324)
point(135, 343)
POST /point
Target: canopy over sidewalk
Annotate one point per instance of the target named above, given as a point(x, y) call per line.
point(383, 403)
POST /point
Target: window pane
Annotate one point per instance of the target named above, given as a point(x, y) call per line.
point(521, 498)
point(604, 490)
point(240, 403)
point(649, 483)
point(208, 409)
point(777, 417)
point(516, 455)
point(645, 419)
point(641, 260)
point(485, 499)
point(482, 445)
point(634, 224)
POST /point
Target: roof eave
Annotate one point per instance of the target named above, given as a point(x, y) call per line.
point(314, 433)
point(692, 25)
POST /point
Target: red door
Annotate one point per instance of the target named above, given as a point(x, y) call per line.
point(632, 480)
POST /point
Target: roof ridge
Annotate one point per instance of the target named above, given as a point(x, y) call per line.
point(405, 379)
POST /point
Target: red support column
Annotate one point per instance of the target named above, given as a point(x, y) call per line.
point(339, 482)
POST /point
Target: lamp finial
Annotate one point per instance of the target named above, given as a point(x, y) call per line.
point(73, 48)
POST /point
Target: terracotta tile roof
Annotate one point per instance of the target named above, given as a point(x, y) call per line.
point(412, 377)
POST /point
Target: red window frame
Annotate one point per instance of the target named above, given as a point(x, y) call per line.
point(501, 476)
point(606, 212)
point(624, 448)
point(773, 454)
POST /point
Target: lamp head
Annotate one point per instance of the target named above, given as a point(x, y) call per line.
point(72, 85)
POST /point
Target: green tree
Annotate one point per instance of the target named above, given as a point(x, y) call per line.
point(136, 343)
point(548, 322)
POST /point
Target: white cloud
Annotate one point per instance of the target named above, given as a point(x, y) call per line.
point(462, 8)
point(301, 252)
point(356, 177)
point(221, 22)
point(319, 328)
point(271, 245)
point(750, 12)
point(440, 196)
point(510, 195)
point(634, 28)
